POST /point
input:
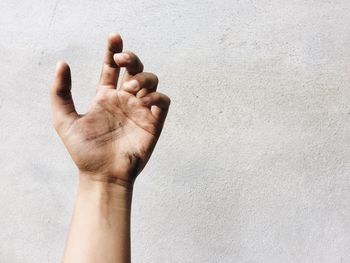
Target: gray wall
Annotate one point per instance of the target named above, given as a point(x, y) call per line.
point(254, 160)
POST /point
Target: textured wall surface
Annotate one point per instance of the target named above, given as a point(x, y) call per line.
point(253, 164)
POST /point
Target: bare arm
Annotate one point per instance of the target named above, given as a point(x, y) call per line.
point(110, 145)
point(100, 228)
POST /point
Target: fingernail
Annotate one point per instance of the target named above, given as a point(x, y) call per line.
point(113, 34)
point(58, 65)
point(122, 56)
point(133, 84)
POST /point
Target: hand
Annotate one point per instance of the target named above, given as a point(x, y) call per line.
point(113, 141)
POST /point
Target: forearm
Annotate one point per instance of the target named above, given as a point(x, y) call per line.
point(100, 228)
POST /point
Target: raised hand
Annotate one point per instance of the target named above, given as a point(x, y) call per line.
point(113, 141)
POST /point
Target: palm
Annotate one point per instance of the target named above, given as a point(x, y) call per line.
point(116, 137)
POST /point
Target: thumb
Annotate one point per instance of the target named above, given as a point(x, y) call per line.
point(61, 98)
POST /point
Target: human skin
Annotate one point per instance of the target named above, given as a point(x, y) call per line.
point(110, 146)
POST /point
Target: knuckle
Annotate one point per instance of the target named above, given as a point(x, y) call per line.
point(130, 85)
point(167, 100)
point(149, 79)
point(155, 78)
point(131, 54)
point(135, 59)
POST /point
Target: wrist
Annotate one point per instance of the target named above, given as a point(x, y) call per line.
point(115, 193)
point(103, 181)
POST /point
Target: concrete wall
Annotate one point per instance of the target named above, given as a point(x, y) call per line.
point(254, 161)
